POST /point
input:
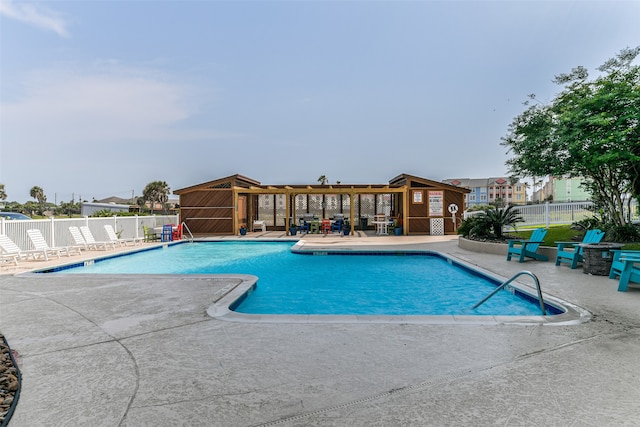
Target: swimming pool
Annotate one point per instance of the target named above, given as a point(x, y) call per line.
point(325, 283)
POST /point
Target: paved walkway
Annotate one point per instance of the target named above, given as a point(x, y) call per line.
point(141, 351)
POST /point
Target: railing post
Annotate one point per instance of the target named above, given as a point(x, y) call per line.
point(546, 214)
point(52, 232)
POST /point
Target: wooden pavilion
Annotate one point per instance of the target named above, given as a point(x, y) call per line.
point(419, 205)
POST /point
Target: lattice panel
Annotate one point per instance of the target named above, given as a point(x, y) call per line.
point(315, 205)
point(383, 204)
point(265, 208)
point(280, 201)
point(346, 205)
point(366, 207)
point(437, 226)
point(332, 205)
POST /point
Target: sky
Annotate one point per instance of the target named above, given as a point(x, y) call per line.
point(100, 98)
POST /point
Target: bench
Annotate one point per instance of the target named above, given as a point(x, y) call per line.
point(626, 264)
point(259, 225)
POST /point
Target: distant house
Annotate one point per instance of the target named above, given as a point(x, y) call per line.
point(487, 191)
point(133, 204)
point(89, 208)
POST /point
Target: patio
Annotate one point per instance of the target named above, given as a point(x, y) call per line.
point(131, 351)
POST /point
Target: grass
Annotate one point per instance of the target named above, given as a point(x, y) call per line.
point(563, 233)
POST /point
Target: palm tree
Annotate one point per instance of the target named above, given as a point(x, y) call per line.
point(38, 194)
point(323, 179)
point(497, 219)
point(156, 192)
point(3, 193)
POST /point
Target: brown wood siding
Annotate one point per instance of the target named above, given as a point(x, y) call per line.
point(208, 211)
point(418, 221)
point(458, 199)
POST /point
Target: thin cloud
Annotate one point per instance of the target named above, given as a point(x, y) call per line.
point(39, 17)
point(76, 108)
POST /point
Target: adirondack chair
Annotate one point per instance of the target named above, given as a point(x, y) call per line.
point(571, 252)
point(527, 248)
point(626, 264)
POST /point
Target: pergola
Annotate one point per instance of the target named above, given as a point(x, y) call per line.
point(221, 205)
point(290, 191)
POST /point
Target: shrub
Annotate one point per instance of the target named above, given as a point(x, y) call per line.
point(627, 233)
point(490, 223)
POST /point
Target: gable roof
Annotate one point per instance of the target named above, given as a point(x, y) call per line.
point(231, 181)
point(411, 180)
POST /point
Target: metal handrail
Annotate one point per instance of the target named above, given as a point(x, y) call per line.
point(185, 227)
point(524, 272)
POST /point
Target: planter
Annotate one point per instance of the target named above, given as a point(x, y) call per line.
point(243, 231)
point(293, 230)
point(397, 231)
point(346, 230)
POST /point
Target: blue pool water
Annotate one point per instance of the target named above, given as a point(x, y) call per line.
point(289, 283)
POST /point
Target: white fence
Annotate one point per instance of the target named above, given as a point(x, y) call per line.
point(56, 230)
point(546, 214)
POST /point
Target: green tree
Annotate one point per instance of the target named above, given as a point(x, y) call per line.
point(3, 193)
point(38, 194)
point(157, 192)
point(591, 129)
point(323, 179)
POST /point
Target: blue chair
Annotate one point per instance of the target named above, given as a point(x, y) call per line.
point(626, 264)
point(571, 252)
point(304, 226)
point(337, 226)
point(527, 248)
point(167, 233)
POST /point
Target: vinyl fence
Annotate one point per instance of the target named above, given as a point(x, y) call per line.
point(56, 230)
point(557, 213)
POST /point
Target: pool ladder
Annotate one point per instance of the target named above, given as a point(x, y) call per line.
point(184, 227)
point(523, 272)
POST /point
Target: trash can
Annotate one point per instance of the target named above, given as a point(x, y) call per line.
point(363, 222)
point(598, 257)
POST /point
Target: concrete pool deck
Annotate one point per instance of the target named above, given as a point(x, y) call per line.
point(138, 351)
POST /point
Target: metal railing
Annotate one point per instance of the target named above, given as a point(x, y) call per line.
point(185, 227)
point(56, 230)
point(528, 273)
point(545, 214)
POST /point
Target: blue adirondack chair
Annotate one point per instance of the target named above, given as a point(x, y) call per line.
point(571, 252)
point(626, 264)
point(523, 249)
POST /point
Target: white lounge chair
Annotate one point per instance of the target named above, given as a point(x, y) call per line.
point(78, 239)
point(88, 237)
point(41, 246)
point(9, 251)
point(111, 234)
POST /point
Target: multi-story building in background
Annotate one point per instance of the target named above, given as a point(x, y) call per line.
point(562, 189)
point(491, 191)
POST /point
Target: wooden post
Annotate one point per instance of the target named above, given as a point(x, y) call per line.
point(287, 212)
